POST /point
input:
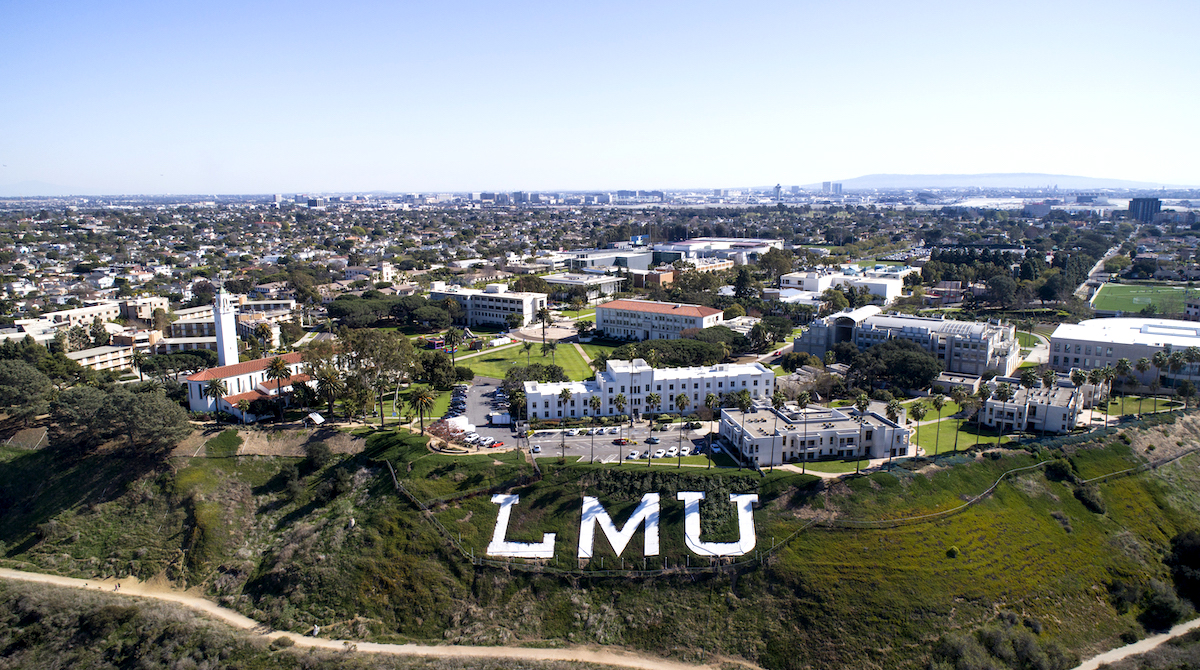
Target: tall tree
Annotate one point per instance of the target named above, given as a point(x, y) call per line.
point(1123, 369)
point(451, 339)
point(938, 401)
point(595, 405)
point(985, 394)
point(329, 384)
point(277, 371)
point(1143, 366)
point(712, 402)
point(379, 360)
point(564, 397)
point(527, 347)
point(681, 403)
point(802, 400)
point(777, 401)
point(550, 349)
point(893, 410)
point(861, 403)
point(917, 412)
point(216, 389)
point(422, 399)
point(653, 402)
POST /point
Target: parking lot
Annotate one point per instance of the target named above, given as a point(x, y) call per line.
point(481, 400)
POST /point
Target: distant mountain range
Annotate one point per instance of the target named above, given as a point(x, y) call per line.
point(995, 180)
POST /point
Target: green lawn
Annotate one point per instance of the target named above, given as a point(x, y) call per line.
point(949, 409)
point(583, 313)
point(1027, 340)
point(497, 363)
point(929, 436)
point(836, 467)
point(1135, 297)
point(592, 349)
point(1148, 404)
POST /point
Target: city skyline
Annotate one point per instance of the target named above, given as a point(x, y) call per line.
point(264, 97)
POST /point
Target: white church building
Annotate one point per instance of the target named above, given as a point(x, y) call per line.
point(243, 380)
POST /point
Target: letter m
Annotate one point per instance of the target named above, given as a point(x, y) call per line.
point(594, 512)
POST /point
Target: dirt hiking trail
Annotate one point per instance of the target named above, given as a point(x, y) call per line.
point(162, 591)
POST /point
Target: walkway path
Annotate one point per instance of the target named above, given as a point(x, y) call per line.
point(1139, 647)
point(586, 359)
point(132, 587)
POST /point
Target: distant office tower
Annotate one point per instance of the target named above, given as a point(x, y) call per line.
point(719, 192)
point(795, 190)
point(837, 189)
point(825, 187)
point(278, 198)
point(778, 192)
point(1144, 209)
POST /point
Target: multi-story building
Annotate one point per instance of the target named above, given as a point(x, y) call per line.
point(1054, 409)
point(766, 436)
point(1098, 343)
point(111, 357)
point(968, 347)
point(493, 304)
point(650, 320)
point(597, 286)
point(886, 282)
point(635, 380)
point(631, 259)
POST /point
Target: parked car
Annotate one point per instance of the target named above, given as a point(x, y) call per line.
point(614, 430)
point(716, 449)
point(659, 453)
point(672, 452)
point(537, 449)
point(633, 454)
point(622, 440)
point(685, 451)
point(497, 444)
point(572, 432)
point(487, 441)
point(652, 440)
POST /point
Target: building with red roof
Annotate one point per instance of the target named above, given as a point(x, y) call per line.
point(244, 381)
point(651, 320)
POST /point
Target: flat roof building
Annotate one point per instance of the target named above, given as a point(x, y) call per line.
point(636, 379)
point(967, 347)
point(1098, 343)
point(493, 305)
point(814, 433)
point(597, 286)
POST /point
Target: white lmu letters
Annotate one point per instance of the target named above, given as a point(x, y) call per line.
point(646, 514)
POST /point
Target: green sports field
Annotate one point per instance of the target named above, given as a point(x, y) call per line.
point(1135, 297)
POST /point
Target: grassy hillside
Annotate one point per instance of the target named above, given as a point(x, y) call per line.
point(1045, 564)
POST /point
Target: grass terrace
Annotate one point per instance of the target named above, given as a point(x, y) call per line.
point(1027, 340)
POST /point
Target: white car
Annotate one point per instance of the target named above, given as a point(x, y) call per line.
point(614, 430)
point(487, 441)
point(573, 432)
point(672, 452)
point(685, 451)
point(472, 438)
point(632, 454)
point(659, 453)
point(537, 449)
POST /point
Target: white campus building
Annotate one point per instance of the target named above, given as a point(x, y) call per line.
point(886, 282)
point(1098, 343)
point(967, 347)
point(1054, 409)
point(243, 381)
point(493, 304)
point(636, 379)
point(771, 437)
point(597, 286)
point(650, 320)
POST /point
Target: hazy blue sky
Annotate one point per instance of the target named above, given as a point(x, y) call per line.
point(258, 97)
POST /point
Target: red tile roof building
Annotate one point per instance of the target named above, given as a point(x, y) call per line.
point(243, 381)
point(649, 320)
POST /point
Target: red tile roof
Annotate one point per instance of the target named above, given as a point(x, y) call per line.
point(227, 371)
point(660, 308)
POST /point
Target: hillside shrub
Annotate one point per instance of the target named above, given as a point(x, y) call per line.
point(1161, 607)
point(1059, 469)
point(318, 455)
point(1090, 496)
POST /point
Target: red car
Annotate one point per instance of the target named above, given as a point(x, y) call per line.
point(622, 440)
point(498, 444)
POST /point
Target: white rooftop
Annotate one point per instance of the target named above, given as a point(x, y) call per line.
point(1128, 330)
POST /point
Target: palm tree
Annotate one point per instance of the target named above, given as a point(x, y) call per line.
point(451, 339)
point(1004, 393)
point(653, 358)
point(743, 402)
point(917, 412)
point(802, 400)
point(653, 401)
point(595, 405)
point(216, 389)
point(1162, 361)
point(959, 395)
point(139, 359)
point(422, 399)
point(277, 371)
point(527, 347)
point(893, 410)
point(1107, 374)
point(243, 406)
point(712, 402)
point(861, 403)
point(985, 394)
point(262, 333)
point(1123, 369)
point(938, 401)
point(564, 397)
point(549, 348)
point(544, 316)
point(329, 385)
point(681, 403)
point(1143, 366)
point(620, 401)
point(777, 401)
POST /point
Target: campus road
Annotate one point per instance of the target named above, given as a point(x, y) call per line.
point(578, 654)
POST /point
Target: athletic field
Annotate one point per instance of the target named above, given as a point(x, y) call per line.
point(1134, 297)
